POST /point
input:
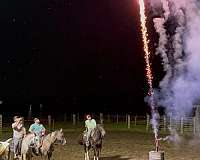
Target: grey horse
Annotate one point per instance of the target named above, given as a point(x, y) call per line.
point(95, 142)
point(46, 149)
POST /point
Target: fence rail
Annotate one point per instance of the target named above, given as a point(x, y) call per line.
point(182, 125)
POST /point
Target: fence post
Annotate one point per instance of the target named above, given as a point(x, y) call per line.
point(164, 123)
point(170, 122)
point(78, 118)
point(49, 122)
point(182, 125)
point(117, 118)
point(101, 118)
point(1, 126)
point(108, 118)
point(74, 119)
point(30, 113)
point(135, 119)
point(148, 120)
point(65, 117)
point(194, 125)
point(129, 121)
point(53, 125)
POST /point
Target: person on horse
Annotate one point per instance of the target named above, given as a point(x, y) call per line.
point(19, 133)
point(38, 129)
point(90, 125)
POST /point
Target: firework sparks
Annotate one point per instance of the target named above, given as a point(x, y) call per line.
point(149, 75)
point(146, 47)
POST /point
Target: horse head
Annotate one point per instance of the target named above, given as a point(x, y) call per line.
point(35, 142)
point(59, 135)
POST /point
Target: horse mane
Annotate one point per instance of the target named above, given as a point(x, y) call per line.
point(29, 135)
point(49, 136)
point(48, 141)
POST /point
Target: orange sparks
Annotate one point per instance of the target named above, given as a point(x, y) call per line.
point(149, 75)
point(146, 47)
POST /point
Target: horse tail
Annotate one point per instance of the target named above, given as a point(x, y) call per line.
point(102, 130)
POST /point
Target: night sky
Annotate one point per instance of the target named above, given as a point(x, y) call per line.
point(75, 55)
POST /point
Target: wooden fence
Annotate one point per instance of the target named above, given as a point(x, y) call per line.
point(182, 125)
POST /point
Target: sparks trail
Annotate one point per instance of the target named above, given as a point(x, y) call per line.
point(147, 55)
point(146, 47)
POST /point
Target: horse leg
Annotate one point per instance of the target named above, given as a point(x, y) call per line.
point(49, 155)
point(98, 152)
point(88, 158)
point(95, 153)
point(24, 156)
point(9, 152)
point(86, 155)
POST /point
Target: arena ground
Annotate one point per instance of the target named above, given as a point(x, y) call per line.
point(125, 144)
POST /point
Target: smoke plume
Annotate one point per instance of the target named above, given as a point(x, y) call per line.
point(179, 28)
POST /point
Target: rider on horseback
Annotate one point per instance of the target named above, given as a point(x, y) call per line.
point(38, 129)
point(18, 134)
point(90, 124)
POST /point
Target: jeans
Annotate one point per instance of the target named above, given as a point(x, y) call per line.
point(17, 142)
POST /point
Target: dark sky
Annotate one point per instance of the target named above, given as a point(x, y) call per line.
point(72, 53)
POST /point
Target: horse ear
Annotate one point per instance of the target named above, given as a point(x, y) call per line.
point(61, 130)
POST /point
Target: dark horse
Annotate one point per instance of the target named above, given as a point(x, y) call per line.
point(95, 142)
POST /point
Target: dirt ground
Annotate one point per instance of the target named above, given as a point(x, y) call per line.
point(125, 145)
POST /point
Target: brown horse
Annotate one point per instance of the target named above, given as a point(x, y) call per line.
point(95, 142)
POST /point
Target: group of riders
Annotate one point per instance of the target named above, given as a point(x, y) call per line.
point(19, 132)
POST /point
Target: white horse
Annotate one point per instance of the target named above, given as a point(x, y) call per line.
point(5, 149)
point(29, 143)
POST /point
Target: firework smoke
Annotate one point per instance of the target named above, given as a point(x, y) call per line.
point(173, 137)
point(179, 48)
